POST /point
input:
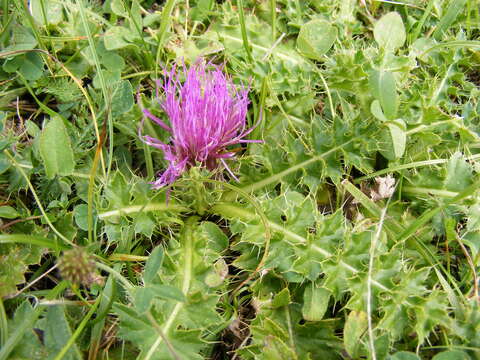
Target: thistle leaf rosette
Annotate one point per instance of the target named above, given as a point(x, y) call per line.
point(207, 116)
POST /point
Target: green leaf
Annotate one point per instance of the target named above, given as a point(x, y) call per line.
point(143, 297)
point(459, 173)
point(4, 163)
point(431, 312)
point(58, 333)
point(168, 292)
point(217, 276)
point(56, 150)
point(216, 238)
point(118, 8)
point(122, 98)
point(21, 39)
point(389, 31)
point(376, 110)
point(116, 38)
point(315, 38)
point(27, 343)
point(399, 136)
point(452, 355)
point(8, 212)
point(281, 299)
point(144, 225)
point(382, 86)
point(32, 66)
point(153, 265)
point(15, 259)
point(355, 326)
point(80, 213)
point(315, 302)
point(404, 355)
point(53, 11)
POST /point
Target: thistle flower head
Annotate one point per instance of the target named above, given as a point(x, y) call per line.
point(78, 267)
point(207, 115)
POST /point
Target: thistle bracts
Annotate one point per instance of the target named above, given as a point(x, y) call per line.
point(77, 266)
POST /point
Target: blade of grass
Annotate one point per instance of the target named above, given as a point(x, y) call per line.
point(3, 325)
point(108, 297)
point(273, 18)
point(132, 209)
point(408, 166)
point(31, 240)
point(164, 25)
point(243, 29)
point(428, 215)
point(457, 43)
point(79, 330)
point(454, 9)
point(103, 86)
point(420, 24)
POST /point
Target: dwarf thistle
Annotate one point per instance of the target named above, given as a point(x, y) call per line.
point(207, 115)
point(78, 267)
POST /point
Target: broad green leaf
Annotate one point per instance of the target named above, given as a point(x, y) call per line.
point(355, 326)
point(56, 150)
point(144, 225)
point(389, 31)
point(80, 213)
point(281, 299)
point(8, 212)
point(452, 355)
point(168, 292)
point(382, 86)
point(53, 11)
point(4, 163)
point(315, 38)
point(112, 78)
point(66, 225)
point(153, 265)
point(217, 276)
point(216, 238)
point(58, 333)
point(315, 302)
point(26, 343)
point(377, 111)
point(32, 66)
point(459, 173)
point(143, 297)
point(15, 259)
point(21, 39)
point(122, 98)
point(116, 38)
point(399, 137)
point(118, 7)
point(404, 355)
point(135, 17)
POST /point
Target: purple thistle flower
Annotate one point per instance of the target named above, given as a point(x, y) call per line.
point(207, 115)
